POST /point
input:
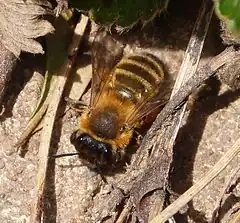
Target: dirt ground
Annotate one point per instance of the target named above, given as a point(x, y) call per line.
point(210, 128)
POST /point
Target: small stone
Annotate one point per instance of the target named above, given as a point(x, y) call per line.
point(2, 196)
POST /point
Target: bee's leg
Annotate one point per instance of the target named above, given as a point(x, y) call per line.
point(74, 102)
point(75, 105)
point(138, 137)
point(79, 110)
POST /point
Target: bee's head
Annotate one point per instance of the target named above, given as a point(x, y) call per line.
point(97, 154)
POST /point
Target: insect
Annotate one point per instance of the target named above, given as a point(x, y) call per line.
point(123, 91)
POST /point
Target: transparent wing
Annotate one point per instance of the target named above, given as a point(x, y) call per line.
point(106, 53)
point(150, 103)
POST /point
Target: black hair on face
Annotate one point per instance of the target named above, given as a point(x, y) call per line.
point(91, 149)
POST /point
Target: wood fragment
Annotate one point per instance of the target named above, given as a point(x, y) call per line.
point(48, 124)
point(80, 78)
point(195, 189)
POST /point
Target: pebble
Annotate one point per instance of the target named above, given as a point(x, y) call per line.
point(2, 195)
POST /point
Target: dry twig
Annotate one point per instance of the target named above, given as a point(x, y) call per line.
point(187, 70)
point(50, 117)
point(192, 57)
point(195, 189)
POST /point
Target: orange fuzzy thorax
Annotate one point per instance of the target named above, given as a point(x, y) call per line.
point(124, 108)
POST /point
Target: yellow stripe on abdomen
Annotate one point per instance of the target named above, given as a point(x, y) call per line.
point(138, 75)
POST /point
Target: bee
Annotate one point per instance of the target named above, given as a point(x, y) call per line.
point(123, 91)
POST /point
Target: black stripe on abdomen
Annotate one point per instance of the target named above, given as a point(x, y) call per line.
point(140, 74)
point(151, 63)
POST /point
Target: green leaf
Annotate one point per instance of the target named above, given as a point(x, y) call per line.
point(229, 11)
point(124, 13)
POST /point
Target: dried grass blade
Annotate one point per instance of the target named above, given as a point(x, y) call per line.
point(50, 117)
point(195, 189)
point(190, 62)
point(192, 56)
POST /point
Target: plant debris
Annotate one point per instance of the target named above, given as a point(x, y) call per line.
point(20, 24)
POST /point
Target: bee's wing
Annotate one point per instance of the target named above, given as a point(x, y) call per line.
point(150, 103)
point(106, 53)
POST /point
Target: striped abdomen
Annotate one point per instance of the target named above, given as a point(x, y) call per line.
point(138, 76)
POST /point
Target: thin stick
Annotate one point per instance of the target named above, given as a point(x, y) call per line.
point(195, 189)
point(195, 45)
point(50, 117)
point(192, 56)
point(190, 64)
